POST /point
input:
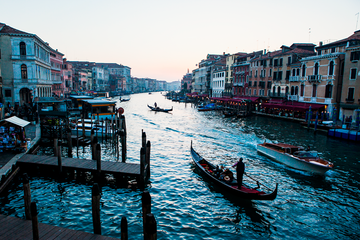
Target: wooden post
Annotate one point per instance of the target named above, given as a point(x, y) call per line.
point(69, 142)
point(59, 160)
point(35, 223)
point(124, 229)
point(143, 137)
point(123, 145)
point(83, 126)
point(56, 142)
point(77, 137)
point(98, 158)
point(123, 124)
point(106, 128)
point(150, 232)
point(112, 128)
point(96, 209)
point(146, 207)
point(93, 148)
point(102, 129)
point(147, 159)
point(142, 167)
point(27, 196)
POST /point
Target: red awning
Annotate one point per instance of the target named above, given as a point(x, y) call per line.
point(294, 106)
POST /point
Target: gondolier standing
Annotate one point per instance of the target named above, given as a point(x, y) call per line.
point(240, 168)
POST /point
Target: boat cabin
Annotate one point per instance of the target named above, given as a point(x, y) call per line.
point(77, 100)
point(306, 154)
point(98, 109)
point(283, 147)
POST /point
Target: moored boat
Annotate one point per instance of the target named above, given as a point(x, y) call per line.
point(157, 109)
point(245, 192)
point(295, 157)
point(100, 128)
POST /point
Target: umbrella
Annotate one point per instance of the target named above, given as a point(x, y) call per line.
point(334, 116)
point(316, 121)
point(310, 115)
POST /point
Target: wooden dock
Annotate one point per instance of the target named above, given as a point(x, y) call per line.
point(16, 228)
point(85, 165)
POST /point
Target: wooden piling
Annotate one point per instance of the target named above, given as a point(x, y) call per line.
point(143, 137)
point(102, 129)
point(35, 222)
point(27, 196)
point(147, 159)
point(146, 207)
point(96, 209)
point(69, 142)
point(123, 124)
point(56, 142)
point(142, 167)
point(106, 128)
point(77, 138)
point(98, 158)
point(83, 126)
point(59, 160)
point(124, 229)
point(150, 231)
point(93, 148)
point(123, 145)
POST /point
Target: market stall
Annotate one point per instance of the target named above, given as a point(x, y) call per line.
point(12, 134)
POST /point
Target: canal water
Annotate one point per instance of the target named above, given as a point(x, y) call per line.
point(185, 206)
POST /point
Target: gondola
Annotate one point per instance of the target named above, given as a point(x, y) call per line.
point(207, 169)
point(157, 109)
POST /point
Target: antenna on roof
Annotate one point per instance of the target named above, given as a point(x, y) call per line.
point(357, 20)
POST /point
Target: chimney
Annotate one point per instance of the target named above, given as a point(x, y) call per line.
point(320, 44)
point(264, 51)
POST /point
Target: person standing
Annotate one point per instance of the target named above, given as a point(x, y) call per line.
point(240, 169)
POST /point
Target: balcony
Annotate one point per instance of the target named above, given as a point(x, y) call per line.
point(314, 78)
point(238, 84)
point(294, 78)
point(293, 97)
point(349, 100)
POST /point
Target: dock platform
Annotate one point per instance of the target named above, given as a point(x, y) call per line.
point(16, 228)
point(86, 165)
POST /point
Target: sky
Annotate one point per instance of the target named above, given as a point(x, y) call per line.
point(163, 39)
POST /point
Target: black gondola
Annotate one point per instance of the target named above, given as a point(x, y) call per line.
point(207, 170)
point(157, 109)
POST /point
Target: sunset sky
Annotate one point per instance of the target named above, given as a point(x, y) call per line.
point(162, 39)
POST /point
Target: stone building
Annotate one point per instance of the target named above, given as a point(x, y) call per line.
point(26, 67)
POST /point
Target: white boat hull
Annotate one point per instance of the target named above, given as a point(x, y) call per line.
point(291, 161)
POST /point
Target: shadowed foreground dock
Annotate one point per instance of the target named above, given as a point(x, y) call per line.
point(16, 228)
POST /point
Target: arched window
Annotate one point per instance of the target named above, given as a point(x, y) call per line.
point(22, 49)
point(287, 90)
point(331, 68)
point(316, 70)
point(294, 72)
point(296, 90)
point(274, 89)
point(279, 90)
point(303, 70)
point(298, 72)
point(328, 91)
point(314, 90)
point(23, 72)
point(292, 90)
point(302, 90)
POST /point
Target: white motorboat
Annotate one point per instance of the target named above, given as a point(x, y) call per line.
point(100, 128)
point(295, 157)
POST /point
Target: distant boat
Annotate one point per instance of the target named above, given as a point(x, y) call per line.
point(209, 107)
point(157, 109)
point(295, 157)
point(124, 100)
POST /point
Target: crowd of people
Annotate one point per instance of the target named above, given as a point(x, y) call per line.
point(25, 111)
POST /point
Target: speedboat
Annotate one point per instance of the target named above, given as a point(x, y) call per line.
point(295, 157)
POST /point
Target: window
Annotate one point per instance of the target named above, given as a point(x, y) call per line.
point(7, 92)
point(296, 90)
point(328, 91)
point(254, 91)
point(302, 90)
point(250, 83)
point(289, 60)
point(355, 56)
point(22, 49)
point(331, 68)
point(333, 50)
point(281, 62)
point(351, 94)
point(270, 62)
point(294, 72)
point(275, 62)
point(319, 52)
point(270, 72)
point(255, 84)
point(279, 75)
point(292, 92)
point(23, 72)
point(316, 70)
point(287, 75)
point(303, 70)
point(249, 91)
point(298, 72)
point(353, 74)
point(269, 84)
point(275, 76)
point(314, 90)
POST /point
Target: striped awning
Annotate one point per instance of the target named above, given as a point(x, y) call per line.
point(17, 121)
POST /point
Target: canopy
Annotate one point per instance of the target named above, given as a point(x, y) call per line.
point(295, 106)
point(17, 121)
